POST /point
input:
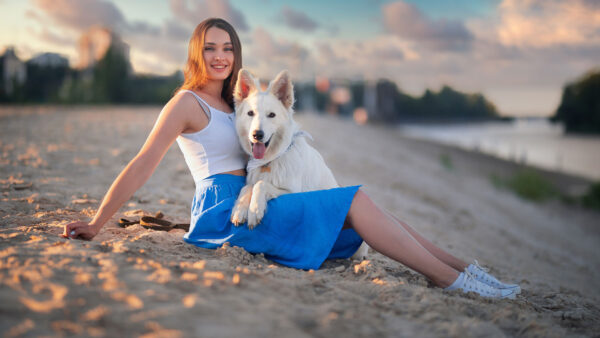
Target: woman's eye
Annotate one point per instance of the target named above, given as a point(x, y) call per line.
point(208, 48)
point(250, 113)
point(229, 49)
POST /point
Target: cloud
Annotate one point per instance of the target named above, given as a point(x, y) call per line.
point(199, 10)
point(298, 20)
point(157, 54)
point(406, 21)
point(545, 23)
point(140, 27)
point(266, 46)
point(81, 14)
point(53, 38)
point(380, 56)
point(174, 30)
point(269, 55)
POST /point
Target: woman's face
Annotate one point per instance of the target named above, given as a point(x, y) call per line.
point(218, 54)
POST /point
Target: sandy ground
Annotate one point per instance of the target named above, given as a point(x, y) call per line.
point(56, 164)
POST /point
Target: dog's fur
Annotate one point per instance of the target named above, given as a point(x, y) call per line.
point(288, 164)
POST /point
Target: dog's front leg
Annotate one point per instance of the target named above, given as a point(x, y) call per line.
point(261, 194)
point(239, 214)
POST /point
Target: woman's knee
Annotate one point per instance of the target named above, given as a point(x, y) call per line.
point(359, 198)
point(358, 203)
point(354, 206)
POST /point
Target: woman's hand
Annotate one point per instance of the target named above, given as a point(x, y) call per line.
point(80, 230)
point(171, 122)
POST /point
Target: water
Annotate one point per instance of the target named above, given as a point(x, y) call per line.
point(531, 141)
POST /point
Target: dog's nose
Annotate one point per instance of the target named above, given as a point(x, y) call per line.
point(258, 135)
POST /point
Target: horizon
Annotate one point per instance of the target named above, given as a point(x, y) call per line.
point(519, 55)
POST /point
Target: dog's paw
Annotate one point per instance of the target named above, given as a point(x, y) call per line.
point(239, 215)
point(258, 204)
point(254, 218)
point(256, 213)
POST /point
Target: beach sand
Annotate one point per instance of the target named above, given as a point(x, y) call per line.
point(56, 163)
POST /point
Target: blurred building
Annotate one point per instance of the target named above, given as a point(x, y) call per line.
point(385, 105)
point(94, 44)
point(49, 60)
point(12, 71)
point(370, 99)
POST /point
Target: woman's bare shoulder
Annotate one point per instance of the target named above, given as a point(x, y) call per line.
point(181, 103)
point(185, 109)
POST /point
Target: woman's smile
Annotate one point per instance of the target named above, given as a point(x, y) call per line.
point(219, 67)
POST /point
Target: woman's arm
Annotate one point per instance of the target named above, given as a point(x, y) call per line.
point(174, 119)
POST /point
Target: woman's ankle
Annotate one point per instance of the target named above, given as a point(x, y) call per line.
point(446, 280)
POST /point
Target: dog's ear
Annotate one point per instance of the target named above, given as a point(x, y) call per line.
point(244, 86)
point(283, 89)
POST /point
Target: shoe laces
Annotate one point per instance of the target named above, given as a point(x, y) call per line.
point(486, 270)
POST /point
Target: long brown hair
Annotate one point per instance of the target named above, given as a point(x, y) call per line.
point(195, 74)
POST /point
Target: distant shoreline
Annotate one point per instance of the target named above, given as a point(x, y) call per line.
point(489, 164)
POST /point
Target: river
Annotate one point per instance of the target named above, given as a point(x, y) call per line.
point(533, 141)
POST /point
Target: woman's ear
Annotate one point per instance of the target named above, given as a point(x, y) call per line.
point(244, 86)
point(283, 89)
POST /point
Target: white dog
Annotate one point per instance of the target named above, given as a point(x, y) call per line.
point(281, 160)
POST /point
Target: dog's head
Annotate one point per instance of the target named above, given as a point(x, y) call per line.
point(264, 118)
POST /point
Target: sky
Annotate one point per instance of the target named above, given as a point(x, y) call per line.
point(518, 53)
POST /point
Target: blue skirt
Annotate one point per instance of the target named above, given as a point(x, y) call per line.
point(299, 230)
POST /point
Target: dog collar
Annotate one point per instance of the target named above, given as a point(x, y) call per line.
point(254, 163)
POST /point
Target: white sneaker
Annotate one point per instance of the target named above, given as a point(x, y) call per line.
point(467, 282)
point(481, 274)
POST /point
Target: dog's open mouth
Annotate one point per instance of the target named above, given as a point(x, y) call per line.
point(259, 149)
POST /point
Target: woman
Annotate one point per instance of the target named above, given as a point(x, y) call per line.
point(299, 230)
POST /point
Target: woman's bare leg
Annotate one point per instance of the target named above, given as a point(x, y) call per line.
point(390, 238)
point(442, 255)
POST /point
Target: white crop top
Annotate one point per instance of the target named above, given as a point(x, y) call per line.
point(214, 149)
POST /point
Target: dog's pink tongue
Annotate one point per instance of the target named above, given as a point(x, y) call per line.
point(258, 150)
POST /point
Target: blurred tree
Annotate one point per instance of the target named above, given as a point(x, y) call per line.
point(579, 108)
point(111, 78)
point(153, 89)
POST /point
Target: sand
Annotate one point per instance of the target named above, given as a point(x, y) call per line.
point(57, 162)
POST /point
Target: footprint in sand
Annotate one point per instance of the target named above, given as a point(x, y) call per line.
point(56, 293)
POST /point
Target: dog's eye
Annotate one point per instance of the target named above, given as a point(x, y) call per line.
point(271, 115)
point(250, 113)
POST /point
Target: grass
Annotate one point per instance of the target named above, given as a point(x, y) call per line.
point(531, 185)
point(446, 161)
point(591, 199)
point(528, 184)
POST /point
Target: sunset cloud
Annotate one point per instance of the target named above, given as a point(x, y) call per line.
point(269, 55)
point(57, 39)
point(81, 14)
point(546, 23)
point(194, 11)
point(380, 57)
point(408, 22)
